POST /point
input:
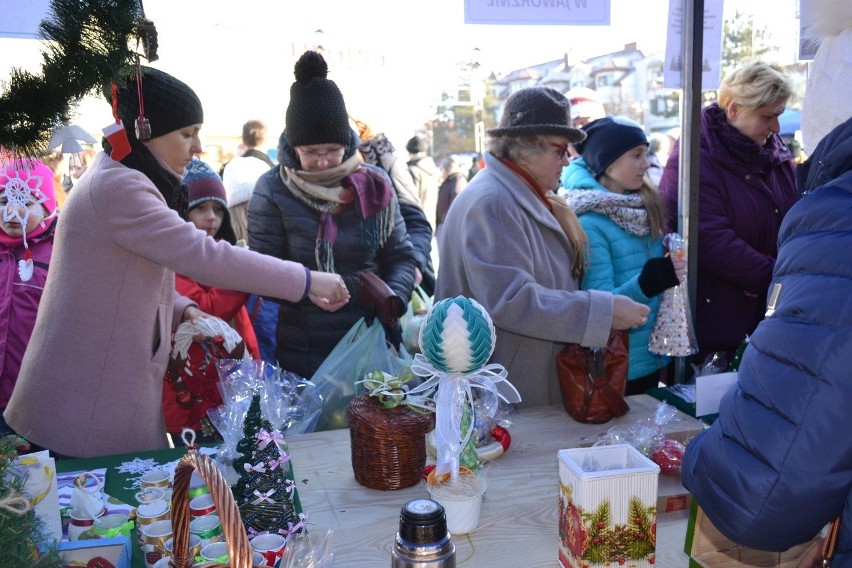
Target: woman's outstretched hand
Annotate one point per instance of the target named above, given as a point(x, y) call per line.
point(328, 291)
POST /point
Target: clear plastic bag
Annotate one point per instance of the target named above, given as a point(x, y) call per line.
point(673, 334)
point(290, 403)
point(310, 550)
point(648, 435)
point(362, 350)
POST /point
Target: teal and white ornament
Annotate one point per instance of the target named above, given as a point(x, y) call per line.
point(458, 335)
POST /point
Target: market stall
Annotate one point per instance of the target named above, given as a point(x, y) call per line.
point(519, 513)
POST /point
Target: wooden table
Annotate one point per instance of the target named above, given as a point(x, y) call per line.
point(518, 523)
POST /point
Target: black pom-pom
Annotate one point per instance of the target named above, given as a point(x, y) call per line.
point(310, 65)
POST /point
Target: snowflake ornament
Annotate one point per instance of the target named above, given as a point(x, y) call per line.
point(137, 466)
point(20, 193)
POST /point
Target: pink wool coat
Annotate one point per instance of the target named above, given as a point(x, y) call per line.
point(92, 376)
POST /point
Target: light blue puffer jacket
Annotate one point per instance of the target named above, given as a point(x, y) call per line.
point(614, 262)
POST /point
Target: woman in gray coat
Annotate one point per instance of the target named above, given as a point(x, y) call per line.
point(92, 377)
point(515, 247)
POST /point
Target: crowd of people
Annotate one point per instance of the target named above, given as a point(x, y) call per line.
point(558, 235)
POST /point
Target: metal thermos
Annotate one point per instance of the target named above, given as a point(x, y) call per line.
point(423, 540)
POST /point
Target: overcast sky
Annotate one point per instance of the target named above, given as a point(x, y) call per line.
point(239, 55)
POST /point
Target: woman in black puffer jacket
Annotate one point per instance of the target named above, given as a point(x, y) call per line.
point(321, 207)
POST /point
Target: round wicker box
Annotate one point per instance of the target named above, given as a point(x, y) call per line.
point(388, 444)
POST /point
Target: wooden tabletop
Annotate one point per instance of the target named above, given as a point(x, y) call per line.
point(518, 522)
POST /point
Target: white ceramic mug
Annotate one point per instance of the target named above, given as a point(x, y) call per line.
point(150, 495)
point(78, 523)
point(195, 545)
point(113, 525)
point(197, 486)
point(218, 552)
point(202, 505)
point(271, 546)
point(154, 537)
point(152, 512)
point(158, 478)
point(208, 528)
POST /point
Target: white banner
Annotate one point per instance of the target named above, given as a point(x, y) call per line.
point(21, 19)
point(573, 12)
point(711, 50)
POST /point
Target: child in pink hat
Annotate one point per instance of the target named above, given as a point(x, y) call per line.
point(27, 220)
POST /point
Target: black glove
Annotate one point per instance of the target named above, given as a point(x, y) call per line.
point(657, 275)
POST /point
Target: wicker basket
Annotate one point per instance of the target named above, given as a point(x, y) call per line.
point(388, 444)
point(239, 549)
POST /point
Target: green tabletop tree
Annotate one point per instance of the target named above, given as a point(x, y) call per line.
point(265, 492)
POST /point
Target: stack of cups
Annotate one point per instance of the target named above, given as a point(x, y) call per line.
point(153, 515)
point(154, 538)
point(149, 513)
point(204, 524)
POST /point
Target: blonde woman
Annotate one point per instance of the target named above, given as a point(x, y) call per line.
point(624, 219)
point(746, 186)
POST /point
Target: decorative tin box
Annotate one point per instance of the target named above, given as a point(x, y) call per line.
point(607, 507)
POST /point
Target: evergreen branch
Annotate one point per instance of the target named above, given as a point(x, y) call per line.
point(88, 44)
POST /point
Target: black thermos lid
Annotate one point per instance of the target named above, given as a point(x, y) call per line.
point(422, 521)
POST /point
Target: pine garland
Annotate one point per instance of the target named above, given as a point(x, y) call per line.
point(88, 45)
point(21, 541)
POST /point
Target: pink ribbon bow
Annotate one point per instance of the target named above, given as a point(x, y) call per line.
point(261, 497)
point(263, 438)
point(258, 467)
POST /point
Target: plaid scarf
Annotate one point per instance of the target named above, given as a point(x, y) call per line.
point(331, 191)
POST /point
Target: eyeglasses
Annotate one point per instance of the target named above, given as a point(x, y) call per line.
point(317, 154)
point(563, 149)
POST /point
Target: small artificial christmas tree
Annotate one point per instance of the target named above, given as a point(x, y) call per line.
point(265, 491)
point(20, 539)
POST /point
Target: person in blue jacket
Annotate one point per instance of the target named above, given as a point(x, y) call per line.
point(624, 219)
point(776, 466)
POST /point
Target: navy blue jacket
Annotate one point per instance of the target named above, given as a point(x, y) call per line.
point(282, 226)
point(777, 464)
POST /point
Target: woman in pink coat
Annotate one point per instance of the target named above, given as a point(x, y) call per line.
point(92, 376)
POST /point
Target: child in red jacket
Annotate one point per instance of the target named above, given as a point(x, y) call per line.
point(191, 386)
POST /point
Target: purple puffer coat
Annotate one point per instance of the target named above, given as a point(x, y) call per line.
point(744, 193)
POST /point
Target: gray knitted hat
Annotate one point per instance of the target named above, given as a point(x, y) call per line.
point(538, 110)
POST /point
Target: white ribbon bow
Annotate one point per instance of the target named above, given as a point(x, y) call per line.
point(453, 390)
